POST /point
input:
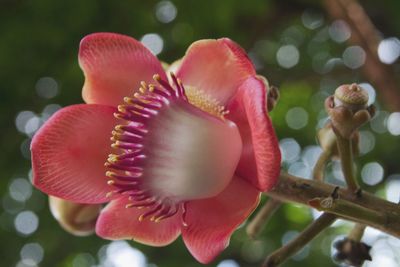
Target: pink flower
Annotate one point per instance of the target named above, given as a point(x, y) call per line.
point(190, 155)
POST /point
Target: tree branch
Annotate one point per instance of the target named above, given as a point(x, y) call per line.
point(369, 209)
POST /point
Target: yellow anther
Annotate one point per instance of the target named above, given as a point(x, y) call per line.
point(110, 182)
point(128, 100)
point(112, 158)
point(140, 218)
point(121, 108)
point(114, 145)
point(160, 218)
point(111, 155)
point(205, 102)
point(156, 77)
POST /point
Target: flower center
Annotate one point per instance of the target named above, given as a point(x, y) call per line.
point(169, 148)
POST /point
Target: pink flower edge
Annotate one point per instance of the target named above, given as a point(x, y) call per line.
point(68, 153)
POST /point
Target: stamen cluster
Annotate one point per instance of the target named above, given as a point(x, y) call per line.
point(129, 140)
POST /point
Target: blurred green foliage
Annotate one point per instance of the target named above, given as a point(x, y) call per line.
point(41, 38)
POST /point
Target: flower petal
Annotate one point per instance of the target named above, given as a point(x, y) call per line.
point(69, 151)
point(117, 222)
point(77, 219)
point(216, 67)
point(261, 157)
point(114, 65)
point(210, 222)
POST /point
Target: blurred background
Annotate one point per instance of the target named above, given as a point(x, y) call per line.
point(305, 47)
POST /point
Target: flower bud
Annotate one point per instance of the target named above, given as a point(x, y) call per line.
point(348, 109)
point(272, 93)
point(75, 218)
point(351, 252)
point(351, 96)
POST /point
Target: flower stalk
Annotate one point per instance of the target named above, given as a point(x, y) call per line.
point(357, 232)
point(295, 245)
point(257, 224)
point(327, 141)
point(346, 161)
point(318, 172)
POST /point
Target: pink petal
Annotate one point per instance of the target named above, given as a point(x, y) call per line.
point(118, 222)
point(216, 67)
point(210, 222)
point(261, 158)
point(69, 151)
point(114, 65)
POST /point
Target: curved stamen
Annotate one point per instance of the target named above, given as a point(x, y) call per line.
point(116, 166)
point(178, 84)
point(151, 212)
point(164, 210)
point(127, 177)
point(126, 155)
point(124, 145)
point(131, 128)
point(172, 211)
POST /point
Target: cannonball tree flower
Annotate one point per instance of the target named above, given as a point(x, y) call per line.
point(190, 152)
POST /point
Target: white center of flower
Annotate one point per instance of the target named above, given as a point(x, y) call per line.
point(193, 155)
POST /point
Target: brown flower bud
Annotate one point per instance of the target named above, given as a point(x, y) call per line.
point(272, 93)
point(273, 97)
point(351, 96)
point(348, 109)
point(352, 252)
point(75, 218)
